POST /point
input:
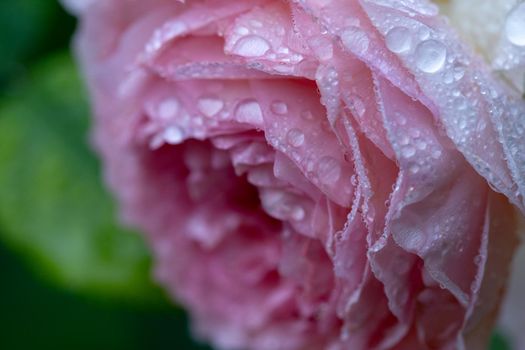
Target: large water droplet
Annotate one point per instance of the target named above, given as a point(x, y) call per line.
point(251, 46)
point(249, 111)
point(209, 106)
point(399, 39)
point(329, 170)
point(355, 40)
point(173, 135)
point(295, 137)
point(515, 25)
point(279, 107)
point(430, 56)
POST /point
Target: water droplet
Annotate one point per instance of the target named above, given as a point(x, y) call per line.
point(173, 135)
point(295, 137)
point(355, 40)
point(357, 105)
point(414, 169)
point(279, 107)
point(249, 111)
point(168, 108)
point(430, 56)
point(242, 31)
point(169, 31)
point(515, 25)
point(329, 170)
point(421, 144)
point(448, 78)
point(408, 151)
point(459, 73)
point(478, 260)
point(251, 46)
point(297, 213)
point(210, 106)
point(353, 180)
point(399, 39)
point(404, 140)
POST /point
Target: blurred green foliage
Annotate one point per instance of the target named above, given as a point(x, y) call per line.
point(57, 222)
point(36, 316)
point(28, 30)
point(54, 208)
point(56, 214)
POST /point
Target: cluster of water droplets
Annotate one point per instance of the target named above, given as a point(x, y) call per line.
point(469, 99)
point(355, 39)
point(172, 123)
point(262, 39)
point(510, 57)
point(515, 25)
point(169, 31)
point(429, 54)
point(283, 205)
point(418, 151)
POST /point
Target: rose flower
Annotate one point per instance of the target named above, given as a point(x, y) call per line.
point(310, 174)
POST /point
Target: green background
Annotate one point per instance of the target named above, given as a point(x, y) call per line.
point(72, 278)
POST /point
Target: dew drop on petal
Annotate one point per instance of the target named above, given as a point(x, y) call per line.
point(414, 169)
point(515, 25)
point(357, 105)
point(430, 56)
point(329, 170)
point(408, 151)
point(251, 46)
point(297, 213)
point(210, 106)
point(242, 31)
point(173, 135)
point(279, 107)
point(295, 137)
point(404, 140)
point(249, 111)
point(399, 39)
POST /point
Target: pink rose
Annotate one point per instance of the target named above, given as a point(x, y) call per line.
point(310, 174)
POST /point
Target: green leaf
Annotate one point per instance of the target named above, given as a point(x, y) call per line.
point(53, 207)
point(29, 28)
point(499, 342)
